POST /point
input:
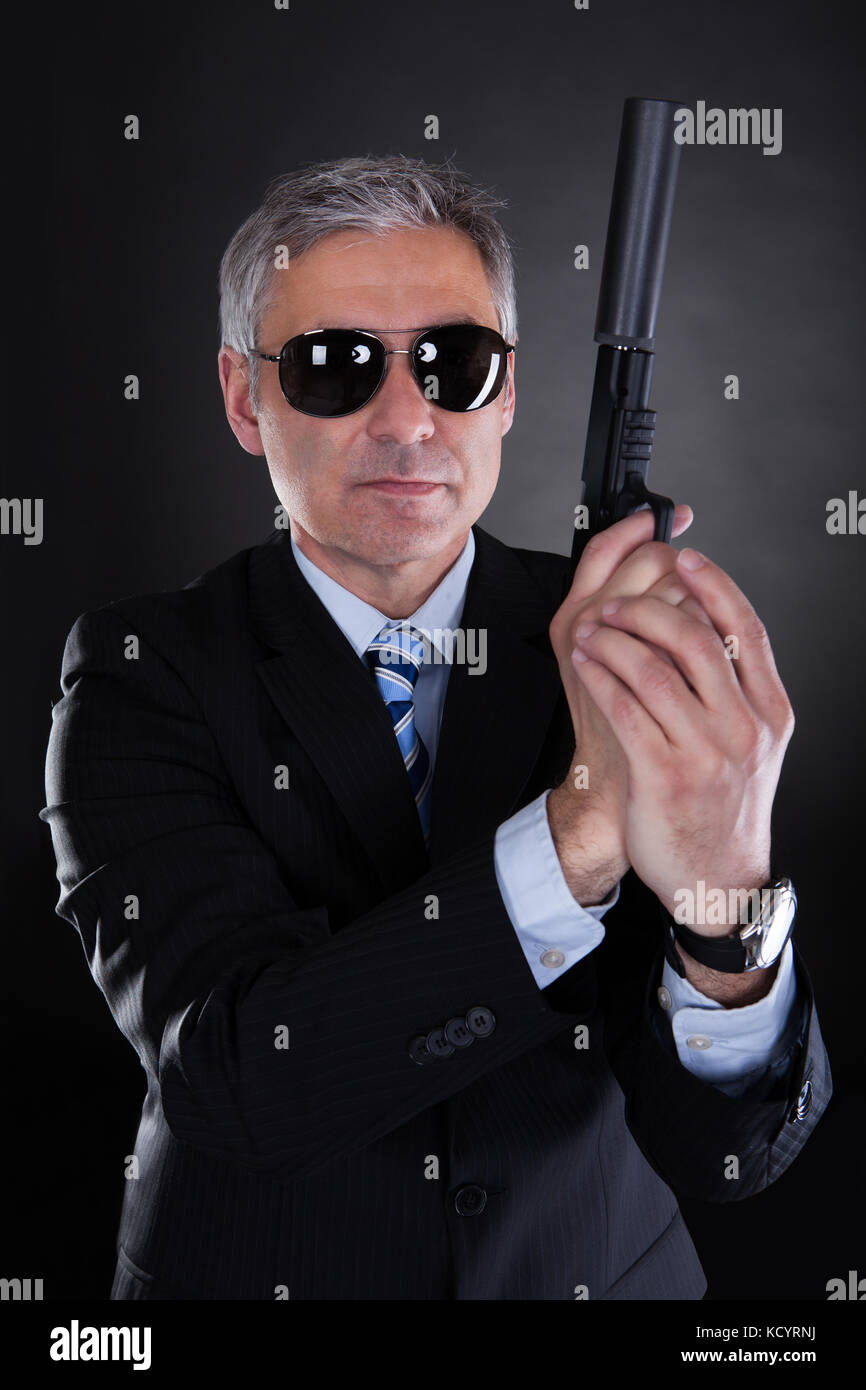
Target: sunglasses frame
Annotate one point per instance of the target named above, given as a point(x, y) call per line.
point(388, 352)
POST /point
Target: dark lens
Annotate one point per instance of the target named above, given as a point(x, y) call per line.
point(461, 366)
point(332, 372)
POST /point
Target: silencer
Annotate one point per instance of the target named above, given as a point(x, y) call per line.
point(642, 203)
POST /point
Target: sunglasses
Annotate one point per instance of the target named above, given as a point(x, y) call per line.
point(332, 372)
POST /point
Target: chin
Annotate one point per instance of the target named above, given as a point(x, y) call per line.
point(393, 551)
point(400, 542)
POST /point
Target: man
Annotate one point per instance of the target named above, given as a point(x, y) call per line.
point(385, 925)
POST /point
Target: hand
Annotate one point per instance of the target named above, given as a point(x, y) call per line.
point(702, 735)
point(588, 823)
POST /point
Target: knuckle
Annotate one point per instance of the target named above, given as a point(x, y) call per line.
point(627, 606)
point(661, 557)
point(595, 547)
point(656, 678)
point(756, 634)
point(562, 626)
point(713, 766)
point(623, 712)
point(677, 782)
point(751, 738)
point(704, 642)
point(669, 590)
point(782, 715)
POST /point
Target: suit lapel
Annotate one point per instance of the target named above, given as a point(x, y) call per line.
point(326, 696)
point(493, 724)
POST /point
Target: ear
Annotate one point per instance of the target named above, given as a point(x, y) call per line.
point(234, 374)
point(508, 410)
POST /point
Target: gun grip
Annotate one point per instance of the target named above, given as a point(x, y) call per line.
point(636, 493)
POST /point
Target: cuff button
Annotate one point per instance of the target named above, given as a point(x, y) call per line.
point(553, 959)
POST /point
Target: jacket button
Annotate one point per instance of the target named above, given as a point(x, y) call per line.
point(480, 1021)
point(457, 1032)
point(419, 1051)
point(438, 1044)
point(803, 1104)
point(470, 1200)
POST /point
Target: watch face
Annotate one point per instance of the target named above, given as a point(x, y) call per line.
point(778, 929)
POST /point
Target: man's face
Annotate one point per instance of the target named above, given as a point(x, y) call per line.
point(328, 473)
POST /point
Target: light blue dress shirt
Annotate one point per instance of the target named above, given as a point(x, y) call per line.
point(730, 1048)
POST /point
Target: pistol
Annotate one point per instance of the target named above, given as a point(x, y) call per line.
point(621, 428)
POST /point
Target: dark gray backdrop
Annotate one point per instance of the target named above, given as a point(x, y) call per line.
point(116, 249)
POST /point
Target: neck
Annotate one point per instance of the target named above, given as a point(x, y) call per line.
point(397, 590)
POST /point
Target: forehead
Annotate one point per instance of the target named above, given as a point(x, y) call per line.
point(409, 278)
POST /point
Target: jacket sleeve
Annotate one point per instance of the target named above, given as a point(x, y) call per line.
point(276, 1041)
point(705, 1143)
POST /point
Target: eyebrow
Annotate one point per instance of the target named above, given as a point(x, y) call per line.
point(440, 323)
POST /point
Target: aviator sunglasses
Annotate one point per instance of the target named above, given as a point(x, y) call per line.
point(331, 372)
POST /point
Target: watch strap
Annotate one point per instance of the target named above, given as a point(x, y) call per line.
point(672, 955)
point(724, 953)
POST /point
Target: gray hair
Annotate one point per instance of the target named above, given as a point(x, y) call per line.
point(376, 194)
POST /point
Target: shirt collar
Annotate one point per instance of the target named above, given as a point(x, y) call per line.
point(360, 622)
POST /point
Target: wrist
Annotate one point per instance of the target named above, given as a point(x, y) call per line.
point(749, 948)
point(712, 911)
point(587, 843)
point(733, 991)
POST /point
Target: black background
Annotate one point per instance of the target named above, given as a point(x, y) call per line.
point(112, 263)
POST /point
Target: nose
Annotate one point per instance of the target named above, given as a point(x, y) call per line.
point(399, 411)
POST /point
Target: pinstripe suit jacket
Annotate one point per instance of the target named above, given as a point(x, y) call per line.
point(271, 952)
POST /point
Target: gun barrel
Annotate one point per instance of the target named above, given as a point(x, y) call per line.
point(640, 217)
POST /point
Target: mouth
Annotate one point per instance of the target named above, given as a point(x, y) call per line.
point(414, 487)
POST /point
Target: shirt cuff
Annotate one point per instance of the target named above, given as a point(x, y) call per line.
point(719, 1044)
point(554, 931)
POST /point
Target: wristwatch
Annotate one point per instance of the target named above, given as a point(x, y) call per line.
point(756, 944)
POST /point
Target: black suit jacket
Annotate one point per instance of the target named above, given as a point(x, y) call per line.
point(271, 952)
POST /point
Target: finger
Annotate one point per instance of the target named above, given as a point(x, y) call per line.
point(693, 608)
point(683, 518)
point(696, 647)
point(637, 573)
point(635, 730)
point(606, 551)
point(647, 566)
point(656, 684)
point(672, 589)
point(734, 617)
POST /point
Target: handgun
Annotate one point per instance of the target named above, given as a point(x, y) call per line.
point(621, 427)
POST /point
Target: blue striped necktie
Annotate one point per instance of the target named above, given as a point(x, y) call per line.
point(395, 658)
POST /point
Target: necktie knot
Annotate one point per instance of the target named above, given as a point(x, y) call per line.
point(395, 657)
